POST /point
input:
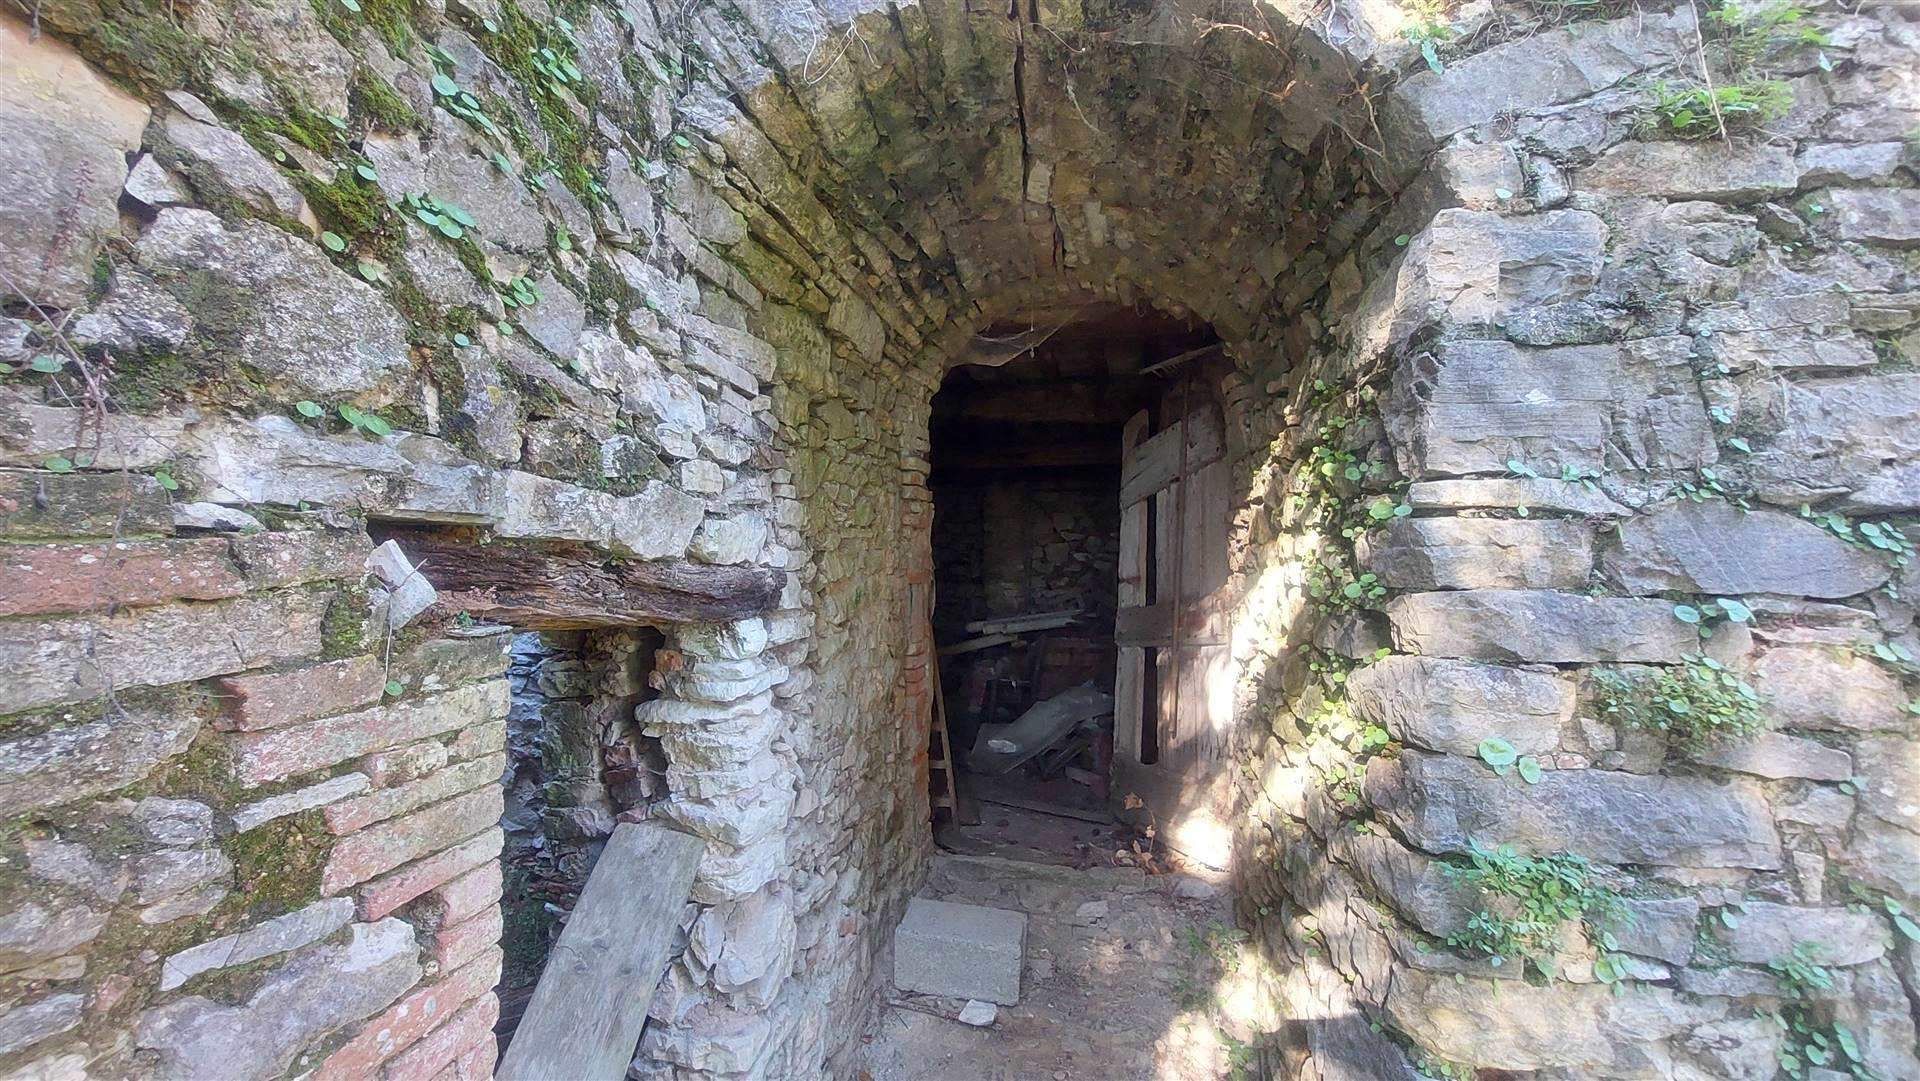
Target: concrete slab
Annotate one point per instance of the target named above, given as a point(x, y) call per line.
point(960, 951)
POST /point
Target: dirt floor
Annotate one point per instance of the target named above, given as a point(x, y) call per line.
point(1118, 972)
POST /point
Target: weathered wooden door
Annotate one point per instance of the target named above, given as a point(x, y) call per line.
point(1173, 688)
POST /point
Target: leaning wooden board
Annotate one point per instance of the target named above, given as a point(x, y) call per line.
point(591, 1002)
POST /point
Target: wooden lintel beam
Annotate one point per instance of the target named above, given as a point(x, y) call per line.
point(542, 587)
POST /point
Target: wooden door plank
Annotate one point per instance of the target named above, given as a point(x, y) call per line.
point(1157, 462)
point(1129, 674)
point(587, 1012)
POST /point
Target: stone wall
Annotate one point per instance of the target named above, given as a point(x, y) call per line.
point(1026, 544)
point(680, 283)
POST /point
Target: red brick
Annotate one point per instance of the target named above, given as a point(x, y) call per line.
point(446, 1043)
point(39, 579)
point(270, 756)
point(380, 897)
point(383, 847)
point(477, 1062)
point(461, 899)
point(273, 560)
point(465, 941)
point(362, 811)
point(407, 1020)
point(275, 699)
point(404, 764)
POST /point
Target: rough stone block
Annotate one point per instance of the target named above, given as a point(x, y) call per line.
point(1537, 625)
point(316, 993)
point(70, 660)
point(272, 699)
point(290, 303)
point(1478, 553)
point(349, 815)
point(302, 927)
point(406, 1021)
point(1451, 705)
point(1473, 406)
point(1778, 756)
point(38, 505)
point(1829, 690)
point(1446, 804)
point(384, 894)
point(24, 1025)
point(1693, 170)
point(1586, 1030)
point(459, 899)
point(961, 951)
point(68, 132)
point(295, 557)
point(439, 663)
point(300, 799)
point(75, 761)
point(1524, 75)
point(1510, 493)
point(1716, 547)
point(455, 946)
point(1889, 216)
point(404, 764)
point(36, 580)
point(1769, 932)
point(1851, 437)
point(470, 1029)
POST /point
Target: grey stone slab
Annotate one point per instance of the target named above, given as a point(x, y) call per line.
point(1445, 804)
point(298, 928)
point(960, 951)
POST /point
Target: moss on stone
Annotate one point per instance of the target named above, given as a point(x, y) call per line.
point(343, 630)
point(380, 104)
point(149, 380)
point(277, 866)
point(356, 210)
point(140, 41)
point(392, 20)
point(570, 146)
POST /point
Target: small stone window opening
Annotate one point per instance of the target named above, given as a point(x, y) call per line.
point(576, 761)
point(1050, 563)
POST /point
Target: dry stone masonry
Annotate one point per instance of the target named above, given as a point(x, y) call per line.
point(1545, 398)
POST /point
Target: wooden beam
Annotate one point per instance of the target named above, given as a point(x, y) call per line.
point(587, 1011)
point(570, 587)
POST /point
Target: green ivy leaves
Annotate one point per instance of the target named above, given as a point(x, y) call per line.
point(365, 422)
point(1504, 758)
point(357, 419)
point(1733, 611)
point(451, 220)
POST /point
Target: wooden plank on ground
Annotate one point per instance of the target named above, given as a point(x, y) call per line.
point(587, 1011)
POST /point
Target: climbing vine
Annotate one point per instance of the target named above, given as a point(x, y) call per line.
point(1528, 900)
point(1697, 702)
